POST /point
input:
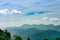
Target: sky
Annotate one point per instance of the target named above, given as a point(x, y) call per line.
point(19, 12)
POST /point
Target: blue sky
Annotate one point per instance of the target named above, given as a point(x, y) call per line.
point(19, 12)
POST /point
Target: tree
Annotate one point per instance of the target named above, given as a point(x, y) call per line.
point(57, 38)
point(16, 37)
point(7, 35)
point(45, 39)
point(2, 37)
point(28, 38)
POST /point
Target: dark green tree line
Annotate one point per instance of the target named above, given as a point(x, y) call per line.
point(5, 35)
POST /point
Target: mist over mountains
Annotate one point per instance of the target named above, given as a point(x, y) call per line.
point(38, 26)
point(36, 32)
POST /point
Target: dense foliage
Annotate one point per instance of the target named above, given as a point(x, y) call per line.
point(28, 38)
point(5, 35)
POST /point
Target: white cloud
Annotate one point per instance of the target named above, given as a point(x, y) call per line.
point(46, 18)
point(7, 11)
point(50, 19)
point(54, 19)
point(16, 12)
point(4, 11)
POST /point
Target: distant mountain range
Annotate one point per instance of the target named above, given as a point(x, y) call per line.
point(38, 26)
point(36, 32)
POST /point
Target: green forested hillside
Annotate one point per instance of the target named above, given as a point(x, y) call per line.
point(5, 35)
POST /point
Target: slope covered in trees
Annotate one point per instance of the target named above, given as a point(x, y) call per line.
point(5, 35)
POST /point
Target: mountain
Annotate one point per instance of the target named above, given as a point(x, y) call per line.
point(41, 27)
point(38, 26)
point(36, 32)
